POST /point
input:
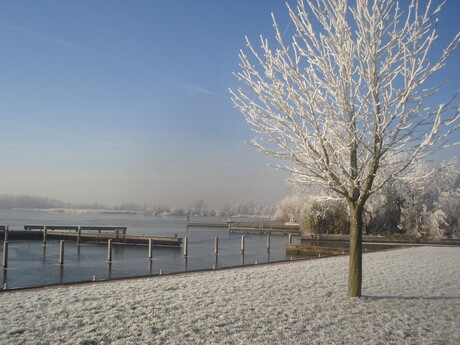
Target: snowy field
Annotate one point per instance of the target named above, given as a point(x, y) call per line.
point(412, 296)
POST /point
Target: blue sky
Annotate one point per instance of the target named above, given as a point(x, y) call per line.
point(127, 101)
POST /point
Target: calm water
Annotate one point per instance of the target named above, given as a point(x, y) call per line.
point(30, 263)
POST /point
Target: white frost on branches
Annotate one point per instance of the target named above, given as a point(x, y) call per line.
point(348, 105)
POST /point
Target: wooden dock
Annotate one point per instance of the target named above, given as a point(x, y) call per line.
point(116, 238)
point(89, 233)
point(75, 227)
point(208, 225)
point(253, 226)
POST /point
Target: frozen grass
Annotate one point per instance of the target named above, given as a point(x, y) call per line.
point(412, 297)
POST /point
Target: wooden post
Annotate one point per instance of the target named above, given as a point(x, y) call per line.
point(61, 252)
point(44, 235)
point(185, 246)
point(150, 249)
point(5, 255)
point(268, 242)
point(109, 251)
point(6, 233)
point(290, 239)
point(242, 244)
point(216, 245)
point(79, 235)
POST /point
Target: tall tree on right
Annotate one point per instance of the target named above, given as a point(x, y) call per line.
point(347, 102)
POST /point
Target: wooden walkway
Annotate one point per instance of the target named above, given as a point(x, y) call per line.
point(88, 233)
point(116, 238)
point(253, 226)
point(283, 231)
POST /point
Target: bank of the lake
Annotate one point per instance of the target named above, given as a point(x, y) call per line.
point(412, 297)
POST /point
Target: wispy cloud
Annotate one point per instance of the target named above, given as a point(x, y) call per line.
point(115, 60)
point(50, 39)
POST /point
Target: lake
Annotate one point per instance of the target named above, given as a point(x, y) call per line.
point(32, 264)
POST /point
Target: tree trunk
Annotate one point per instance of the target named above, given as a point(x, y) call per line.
point(355, 268)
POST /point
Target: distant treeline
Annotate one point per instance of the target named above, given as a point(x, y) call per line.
point(38, 202)
point(200, 208)
point(195, 208)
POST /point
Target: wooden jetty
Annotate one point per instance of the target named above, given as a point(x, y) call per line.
point(208, 225)
point(75, 228)
point(89, 233)
point(253, 226)
point(116, 238)
point(263, 227)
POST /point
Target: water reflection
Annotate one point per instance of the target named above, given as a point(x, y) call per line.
point(78, 253)
point(5, 279)
point(185, 263)
point(150, 266)
point(61, 274)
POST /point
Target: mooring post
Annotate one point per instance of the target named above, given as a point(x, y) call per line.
point(150, 249)
point(109, 251)
point(79, 235)
point(268, 242)
point(44, 235)
point(185, 246)
point(6, 233)
point(61, 252)
point(5, 255)
point(242, 244)
point(216, 245)
point(290, 239)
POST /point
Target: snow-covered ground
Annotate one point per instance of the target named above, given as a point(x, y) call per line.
point(412, 296)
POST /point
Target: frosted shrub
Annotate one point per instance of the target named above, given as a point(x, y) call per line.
point(325, 216)
point(449, 203)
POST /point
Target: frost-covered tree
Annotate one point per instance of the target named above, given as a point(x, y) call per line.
point(289, 209)
point(347, 102)
point(429, 200)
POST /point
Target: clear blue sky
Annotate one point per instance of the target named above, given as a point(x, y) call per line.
point(127, 101)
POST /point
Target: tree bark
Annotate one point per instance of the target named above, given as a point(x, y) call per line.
point(355, 268)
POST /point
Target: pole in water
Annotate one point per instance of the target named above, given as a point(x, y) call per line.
point(216, 245)
point(61, 252)
point(242, 244)
point(290, 239)
point(268, 242)
point(44, 235)
point(109, 251)
point(185, 246)
point(150, 249)
point(79, 235)
point(5, 255)
point(6, 229)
